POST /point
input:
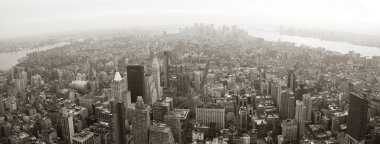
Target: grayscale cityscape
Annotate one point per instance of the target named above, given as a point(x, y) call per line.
point(189, 72)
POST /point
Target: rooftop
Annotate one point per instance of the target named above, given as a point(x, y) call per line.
point(181, 113)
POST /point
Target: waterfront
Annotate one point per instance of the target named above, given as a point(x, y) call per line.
point(340, 47)
point(8, 60)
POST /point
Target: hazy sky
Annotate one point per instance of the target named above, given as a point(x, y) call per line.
point(31, 17)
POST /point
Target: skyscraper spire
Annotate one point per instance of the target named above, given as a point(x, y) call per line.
point(117, 76)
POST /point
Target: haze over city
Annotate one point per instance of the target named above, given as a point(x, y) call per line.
point(189, 72)
point(35, 17)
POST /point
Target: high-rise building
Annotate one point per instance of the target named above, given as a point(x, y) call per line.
point(300, 117)
point(243, 118)
point(150, 90)
point(291, 107)
point(166, 68)
point(289, 129)
point(307, 101)
point(160, 134)
point(2, 107)
point(183, 82)
point(291, 80)
point(119, 90)
point(357, 120)
point(118, 120)
point(284, 104)
point(172, 120)
point(210, 113)
point(136, 82)
point(67, 127)
point(140, 122)
point(157, 76)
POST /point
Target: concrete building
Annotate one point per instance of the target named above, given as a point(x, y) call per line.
point(210, 113)
point(84, 137)
point(300, 118)
point(160, 134)
point(289, 129)
point(307, 101)
point(140, 122)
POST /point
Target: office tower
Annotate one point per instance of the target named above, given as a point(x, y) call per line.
point(317, 116)
point(67, 127)
point(291, 80)
point(210, 113)
point(300, 118)
point(306, 99)
point(23, 76)
point(119, 90)
point(357, 120)
point(116, 62)
point(2, 108)
point(140, 122)
point(197, 75)
point(150, 90)
point(157, 76)
point(183, 83)
point(274, 91)
point(35, 80)
point(284, 104)
point(172, 120)
point(118, 120)
point(117, 87)
point(160, 134)
point(84, 137)
point(166, 68)
point(291, 107)
point(289, 129)
point(136, 82)
point(243, 118)
point(160, 109)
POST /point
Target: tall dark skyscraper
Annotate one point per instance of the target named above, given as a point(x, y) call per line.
point(357, 120)
point(119, 129)
point(136, 81)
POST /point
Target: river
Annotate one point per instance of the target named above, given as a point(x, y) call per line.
point(8, 60)
point(340, 47)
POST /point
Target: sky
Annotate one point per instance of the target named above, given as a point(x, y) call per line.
point(34, 17)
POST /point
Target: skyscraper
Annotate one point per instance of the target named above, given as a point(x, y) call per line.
point(166, 68)
point(140, 122)
point(156, 76)
point(291, 106)
point(284, 104)
point(308, 104)
point(118, 120)
point(289, 129)
point(300, 118)
point(119, 90)
point(291, 80)
point(136, 81)
point(67, 127)
point(357, 120)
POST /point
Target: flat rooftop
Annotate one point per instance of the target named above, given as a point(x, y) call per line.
point(181, 113)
